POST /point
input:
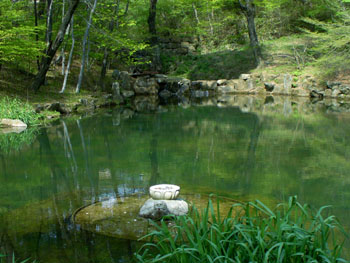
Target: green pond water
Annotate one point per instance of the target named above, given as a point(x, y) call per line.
point(242, 148)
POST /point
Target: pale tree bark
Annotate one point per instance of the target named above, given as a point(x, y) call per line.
point(70, 57)
point(54, 46)
point(209, 20)
point(84, 55)
point(248, 9)
point(63, 56)
point(48, 37)
point(36, 31)
point(195, 13)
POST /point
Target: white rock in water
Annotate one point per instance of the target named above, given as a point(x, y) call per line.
point(156, 209)
point(12, 123)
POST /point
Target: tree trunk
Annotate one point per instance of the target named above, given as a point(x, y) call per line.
point(63, 56)
point(249, 11)
point(70, 57)
point(104, 69)
point(52, 49)
point(36, 31)
point(152, 21)
point(48, 36)
point(85, 40)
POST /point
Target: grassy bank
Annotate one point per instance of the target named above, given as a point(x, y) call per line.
point(324, 56)
point(248, 233)
point(20, 101)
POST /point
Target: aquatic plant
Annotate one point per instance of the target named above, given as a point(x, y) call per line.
point(250, 232)
point(16, 109)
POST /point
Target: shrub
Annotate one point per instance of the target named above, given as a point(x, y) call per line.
point(249, 233)
point(16, 109)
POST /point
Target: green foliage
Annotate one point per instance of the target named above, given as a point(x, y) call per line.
point(16, 109)
point(17, 34)
point(331, 48)
point(248, 233)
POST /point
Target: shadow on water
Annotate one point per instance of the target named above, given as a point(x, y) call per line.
point(241, 147)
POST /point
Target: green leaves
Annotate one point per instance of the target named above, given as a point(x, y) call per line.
point(17, 34)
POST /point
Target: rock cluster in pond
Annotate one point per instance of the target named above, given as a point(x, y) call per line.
point(156, 209)
point(119, 217)
point(163, 202)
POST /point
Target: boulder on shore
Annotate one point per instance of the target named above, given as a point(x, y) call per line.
point(12, 123)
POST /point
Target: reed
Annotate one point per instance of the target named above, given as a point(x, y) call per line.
point(250, 232)
point(16, 109)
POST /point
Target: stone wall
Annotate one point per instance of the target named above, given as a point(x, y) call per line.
point(148, 89)
point(182, 46)
point(268, 84)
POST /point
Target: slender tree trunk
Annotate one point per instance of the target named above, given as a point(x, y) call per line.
point(209, 20)
point(249, 11)
point(63, 47)
point(36, 31)
point(48, 37)
point(199, 38)
point(70, 57)
point(152, 21)
point(52, 49)
point(104, 68)
point(85, 40)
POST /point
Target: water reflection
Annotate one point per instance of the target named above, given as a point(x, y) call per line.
point(240, 147)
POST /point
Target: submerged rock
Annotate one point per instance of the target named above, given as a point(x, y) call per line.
point(156, 209)
point(120, 217)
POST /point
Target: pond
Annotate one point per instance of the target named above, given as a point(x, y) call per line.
point(242, 148)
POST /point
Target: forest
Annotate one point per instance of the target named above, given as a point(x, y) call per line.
point(77, 44)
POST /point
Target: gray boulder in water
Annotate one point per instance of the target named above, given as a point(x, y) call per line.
point(156, 209)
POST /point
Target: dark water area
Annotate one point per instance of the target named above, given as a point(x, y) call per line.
point(244, 148)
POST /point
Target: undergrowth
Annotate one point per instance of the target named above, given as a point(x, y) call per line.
point(248, 233)
point(16, 109)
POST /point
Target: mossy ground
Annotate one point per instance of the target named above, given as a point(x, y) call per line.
point(15, 84)
point(297, 54)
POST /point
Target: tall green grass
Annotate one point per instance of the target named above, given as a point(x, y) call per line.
point(16, 109)
point(248, 233)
